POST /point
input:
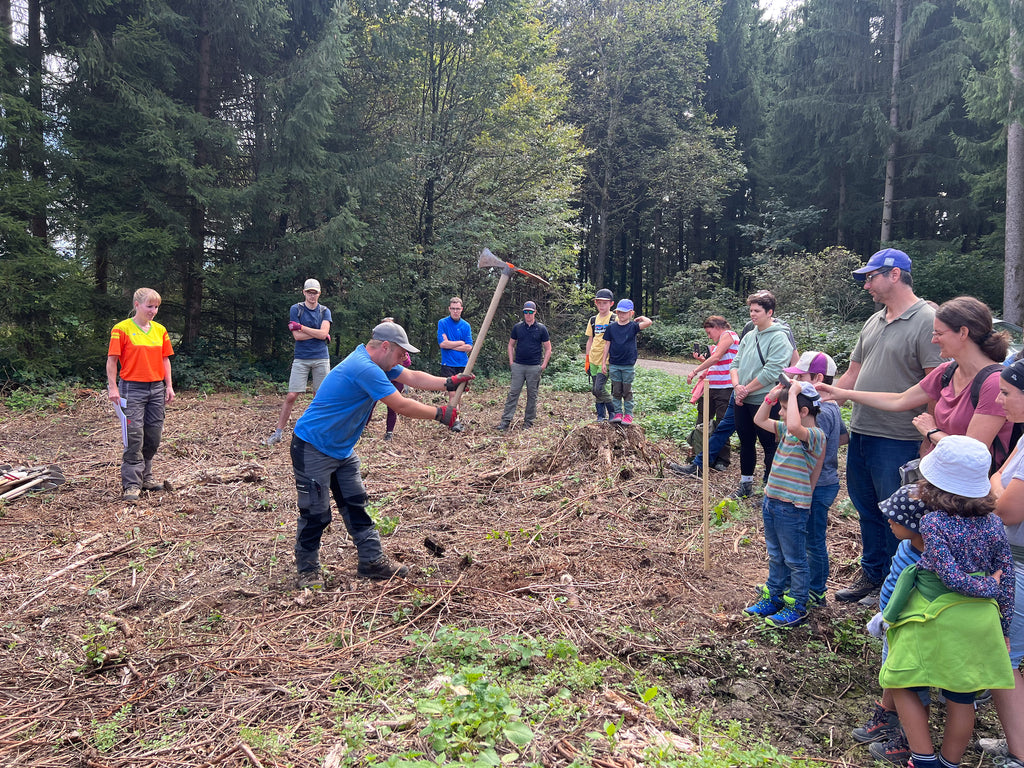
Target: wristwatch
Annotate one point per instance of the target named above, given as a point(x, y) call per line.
point(929, 433)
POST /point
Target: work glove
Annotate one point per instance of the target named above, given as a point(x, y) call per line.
point(447, 416)
point(586, 365)
point(293, 326)
point(876, 627)
point(452, 382)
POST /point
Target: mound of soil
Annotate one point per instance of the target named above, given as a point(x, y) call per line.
point(183, 605)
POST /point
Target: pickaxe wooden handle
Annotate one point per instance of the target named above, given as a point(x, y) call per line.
point(488, 259)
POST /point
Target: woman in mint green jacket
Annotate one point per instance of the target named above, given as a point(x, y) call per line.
point(763, 353)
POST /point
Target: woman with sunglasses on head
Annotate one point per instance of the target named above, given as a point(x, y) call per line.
point(964, 390)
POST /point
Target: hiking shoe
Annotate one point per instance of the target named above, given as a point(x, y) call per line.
point(131, 493)
point(388, 435)
point(627, 419)
point(745, 491)
point(882, 726)
point(274, 439)
point(502, 427)
point(152, 485)
point(787, 617)
point(994, 747)
point(895, 750)
point(310, 580)
point(765, 594)
point(815, 600)
point(766, 606)
point(381, 569)
point(1010, 761)
point(720, 466)
point(616, 418)
point(861, 588)
point(686, 470)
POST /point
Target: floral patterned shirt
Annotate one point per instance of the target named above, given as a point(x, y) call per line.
point(955, 547)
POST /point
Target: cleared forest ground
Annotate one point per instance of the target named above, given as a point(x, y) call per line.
point(168, 633)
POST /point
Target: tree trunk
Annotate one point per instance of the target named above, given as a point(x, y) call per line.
point(1013, 286)
point(636, 277)
point(841, 211)
point(37, 165)
point(894, 121)
point(192, 278)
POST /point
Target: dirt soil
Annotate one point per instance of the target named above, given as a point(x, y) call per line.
point(183, 605)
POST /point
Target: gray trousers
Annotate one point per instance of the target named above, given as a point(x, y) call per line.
point(317, 478)
point(522, 374)
point(145, 413)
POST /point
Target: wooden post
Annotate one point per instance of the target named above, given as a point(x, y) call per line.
point(706, 400)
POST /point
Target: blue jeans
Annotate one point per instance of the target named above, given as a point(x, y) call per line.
point(785, 540)
point(621, 377)
point(873, 475)
point(719, 439)
point(817, 522)
point(785, 537)
point(530, 376)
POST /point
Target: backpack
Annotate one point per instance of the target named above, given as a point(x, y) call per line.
point(320, 311)
point(999, 452)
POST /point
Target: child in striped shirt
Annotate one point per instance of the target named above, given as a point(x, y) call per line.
point(787, 500)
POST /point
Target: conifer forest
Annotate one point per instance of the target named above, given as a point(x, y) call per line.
point(222, 152)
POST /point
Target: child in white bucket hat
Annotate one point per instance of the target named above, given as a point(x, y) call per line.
point(950, 613)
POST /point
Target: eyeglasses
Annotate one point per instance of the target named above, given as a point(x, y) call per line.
point(528, 311)
point(873, 275)
point(315, 293)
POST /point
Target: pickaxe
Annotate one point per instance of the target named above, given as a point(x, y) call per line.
point(488, 259)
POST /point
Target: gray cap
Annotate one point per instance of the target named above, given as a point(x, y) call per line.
point(394, 333)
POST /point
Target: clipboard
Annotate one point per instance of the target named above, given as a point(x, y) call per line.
point(119, 407)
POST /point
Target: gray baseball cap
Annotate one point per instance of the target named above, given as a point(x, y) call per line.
point(394, 333)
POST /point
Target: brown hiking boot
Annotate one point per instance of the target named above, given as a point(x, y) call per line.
point(381, 569)
point(310, 580)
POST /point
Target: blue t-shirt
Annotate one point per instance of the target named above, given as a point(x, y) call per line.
point(335, 419)
point(621, 341)
point(529, 342)
point(455, 331)
point(310, 349)
point(830, 420)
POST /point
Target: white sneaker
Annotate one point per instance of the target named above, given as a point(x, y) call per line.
point(274, 439)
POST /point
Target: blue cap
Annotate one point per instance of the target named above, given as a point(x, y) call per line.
point(625, 305)
point(530, 306)
point(884, 259)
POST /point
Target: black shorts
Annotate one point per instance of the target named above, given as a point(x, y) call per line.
point(451, 370)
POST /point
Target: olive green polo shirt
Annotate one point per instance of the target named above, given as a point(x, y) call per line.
point(893, 358)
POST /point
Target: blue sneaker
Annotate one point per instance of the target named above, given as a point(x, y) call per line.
point(766, 606)
point(787, 617)
point(785, 597)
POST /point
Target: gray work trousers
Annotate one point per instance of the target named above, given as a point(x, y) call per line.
point(522, 374)
point(317, 478)
point(145, 413)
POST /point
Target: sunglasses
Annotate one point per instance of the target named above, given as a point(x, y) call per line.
point(528, 311)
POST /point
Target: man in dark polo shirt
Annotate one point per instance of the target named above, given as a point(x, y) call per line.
point(529, 350)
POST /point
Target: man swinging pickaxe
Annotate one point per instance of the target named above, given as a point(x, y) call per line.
point(488, 259)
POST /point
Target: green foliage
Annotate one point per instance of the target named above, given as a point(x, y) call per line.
point(44, 398)
point(107, 735)
point(472, 716)
point(95, 644)
point(946, 273)
point(691, 296)
point(816, 285)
